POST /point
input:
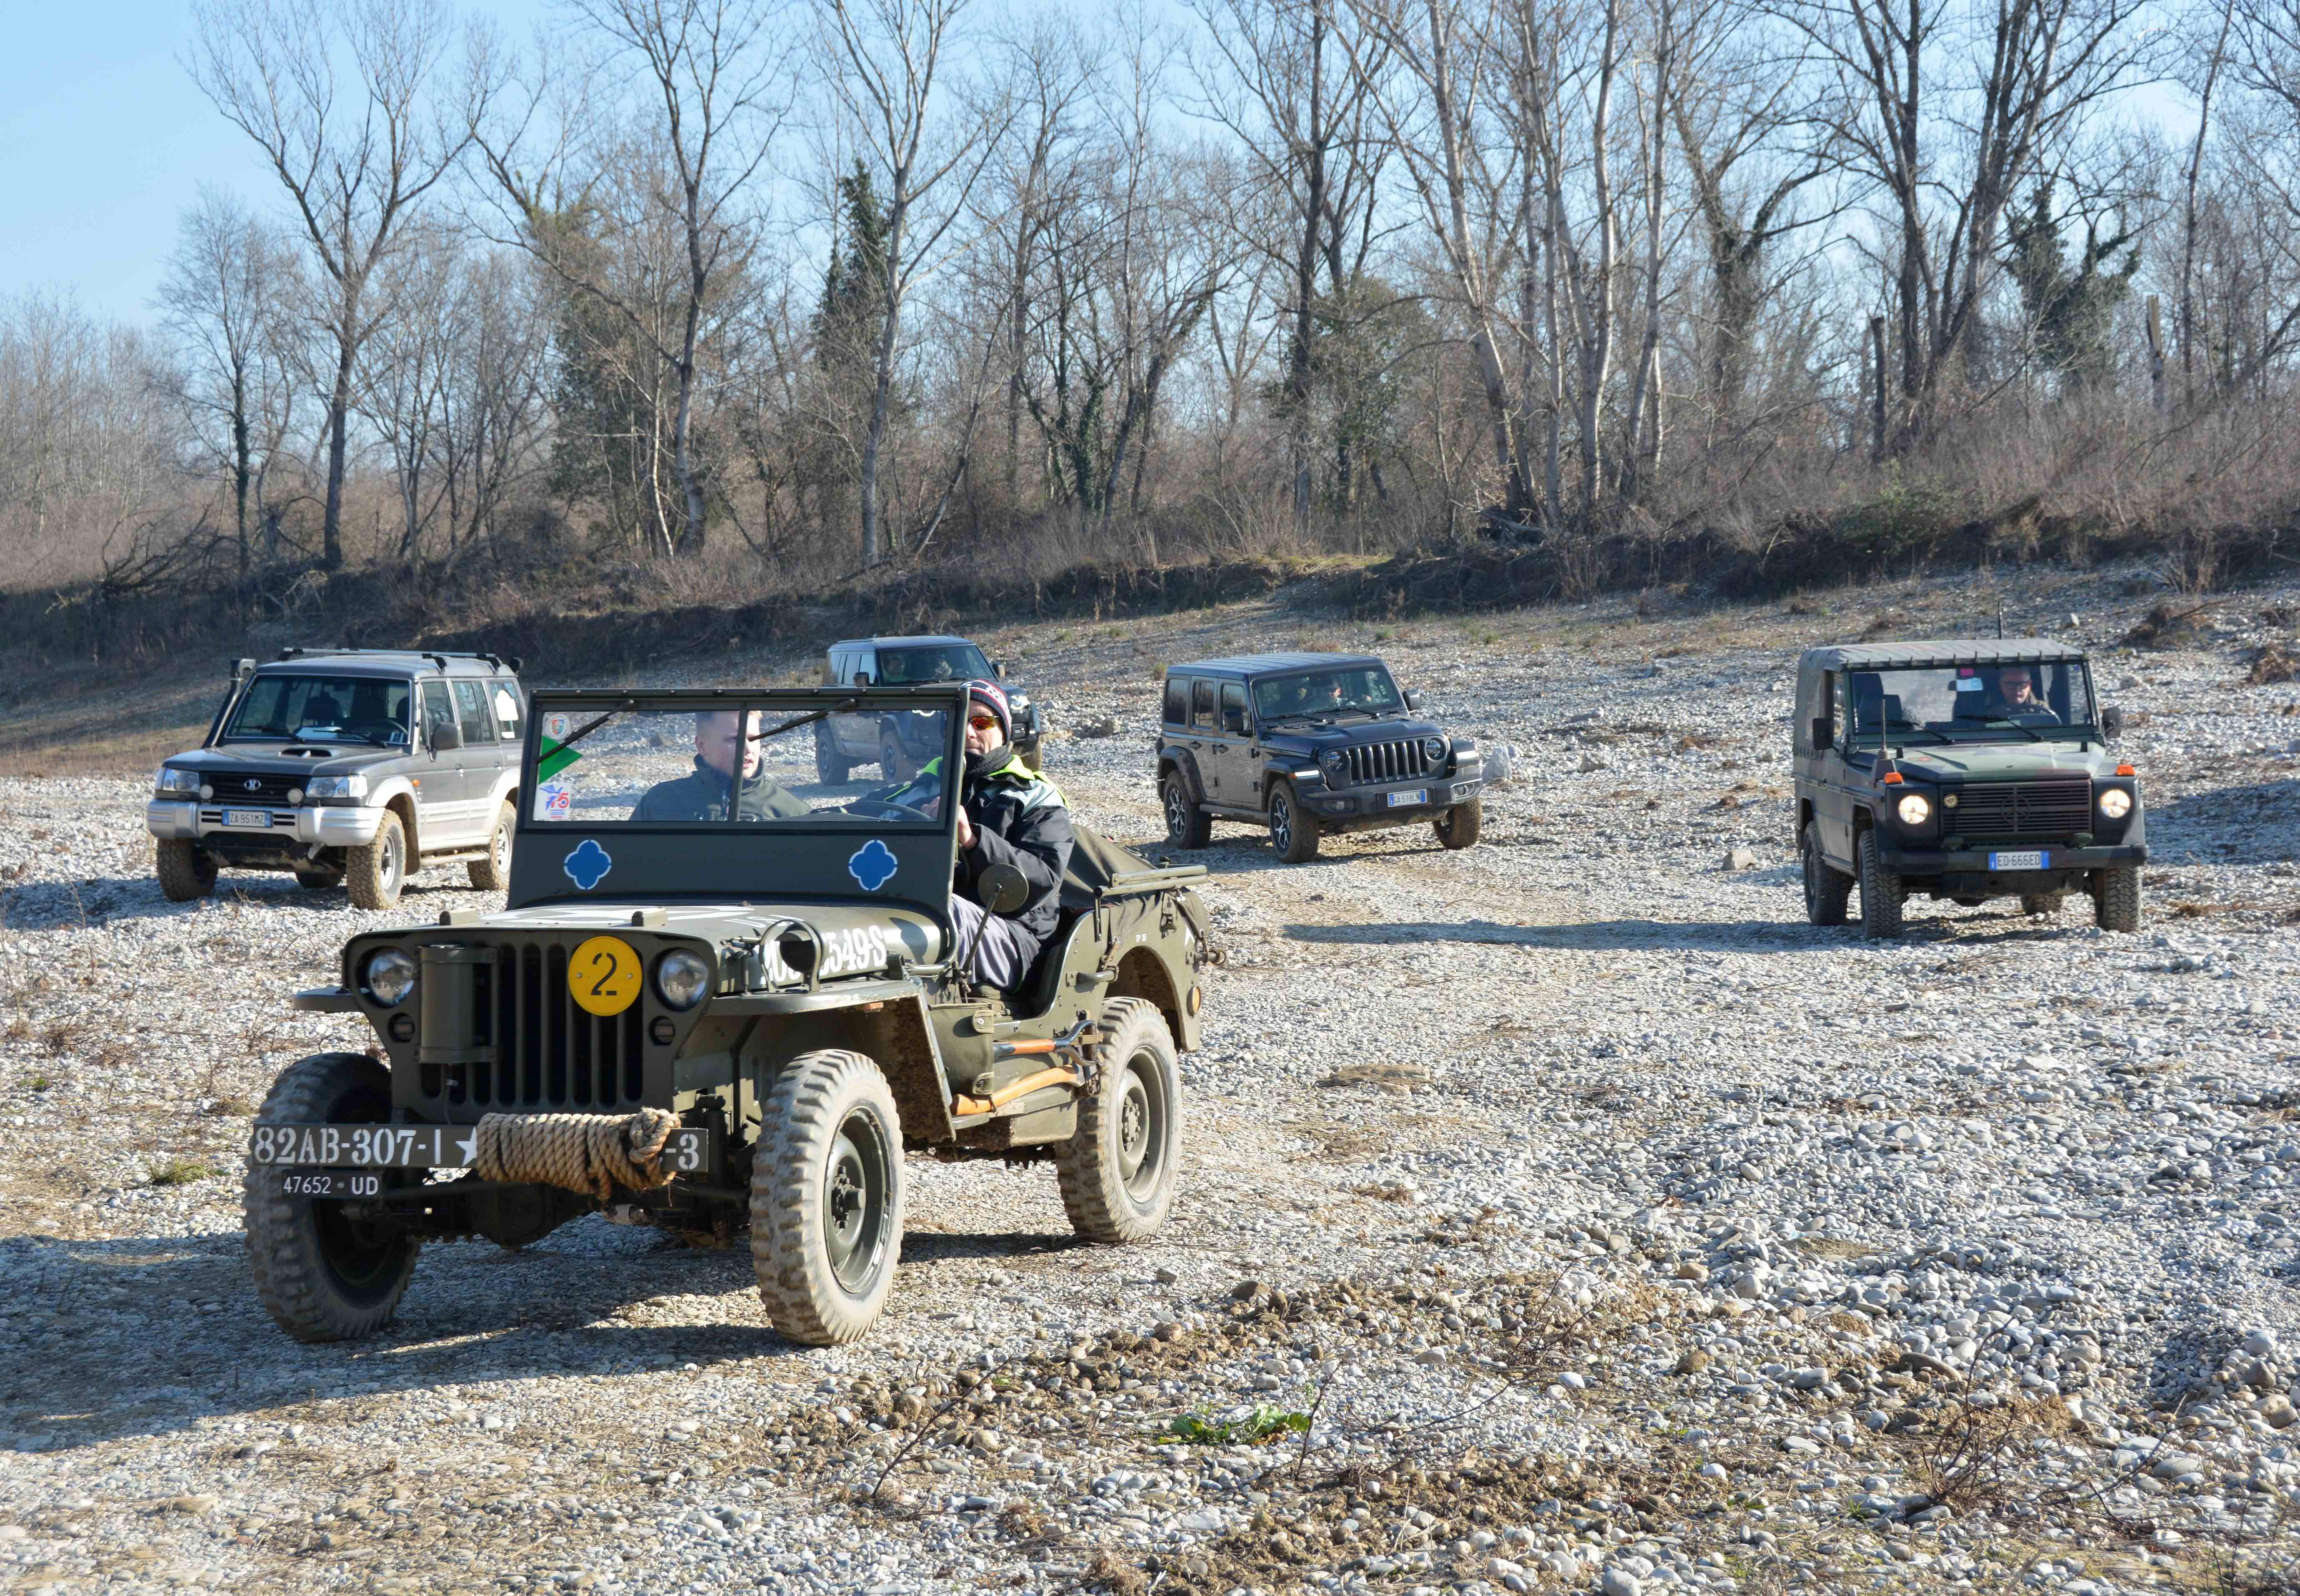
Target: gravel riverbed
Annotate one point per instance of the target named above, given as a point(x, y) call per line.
point(1564, 1214)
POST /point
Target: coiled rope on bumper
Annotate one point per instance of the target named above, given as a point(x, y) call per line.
point(592, 1153)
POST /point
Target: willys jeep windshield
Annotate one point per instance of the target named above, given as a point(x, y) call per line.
point(1962, 703)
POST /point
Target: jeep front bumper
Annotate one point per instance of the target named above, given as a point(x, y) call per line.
point(1983, 872)
point(1392, 803)
point(332, 826)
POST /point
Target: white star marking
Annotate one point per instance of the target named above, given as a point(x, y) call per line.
point(466, 1145)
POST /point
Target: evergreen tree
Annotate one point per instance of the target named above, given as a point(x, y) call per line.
point(2072, 307)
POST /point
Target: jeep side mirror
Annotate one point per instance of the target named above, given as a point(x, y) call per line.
point(447, 737)
point(1002, 889)
point(998, 669)
point(1414, 700)
point(1821, 737)
point(1234, 722)
point(2111, 722)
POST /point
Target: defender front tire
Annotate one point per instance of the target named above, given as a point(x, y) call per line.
point(2116, 898)
point(827, 1191)
point(375, 874)
point(1117, 1169)
point(1881, 894)
point(1292, 833)
point(1186, 824)
point(493, 873)
point(1459, 826)
point(1826, 890)
point(830, 768)
point(323, 1273)
point(185, 872)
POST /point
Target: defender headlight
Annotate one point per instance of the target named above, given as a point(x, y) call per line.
point(389, 975)
point(337, 786)
point(171, 780)
point(681, 978)
point(2115, 803)
point(1915, 809)
point(1336, 764)
point(1433, 749)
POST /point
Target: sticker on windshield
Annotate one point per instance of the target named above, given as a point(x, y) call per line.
point(553, 801)
point(554, 727)
point(873, 864)
point(506, 706)
point(1968, 683)
point(588, 865)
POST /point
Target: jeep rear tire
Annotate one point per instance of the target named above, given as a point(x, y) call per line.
point(376, 873)
point(493, 873)
point(1826, 889)
point(2116, 898)
point(2043, 904)
point(827, 1198)
point(185, 871)
point(1117, 1169)
point(323, 1271)
point(1458, 827)
point(1186, 824)
point(1881, 892)
point(830, 768)
point(1292, 833)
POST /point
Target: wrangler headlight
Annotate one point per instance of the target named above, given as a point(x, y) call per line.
point(389, 975)
point(1915, 809)
point(681, 978)
point(172, 780)
point(2115, 803)
point(1336, 764)
point(1433, 749)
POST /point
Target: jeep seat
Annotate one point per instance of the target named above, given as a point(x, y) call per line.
point(1094, 861)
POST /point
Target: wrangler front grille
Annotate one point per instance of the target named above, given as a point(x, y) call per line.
point(530, 1048)
point(2025, 809)
point(1387, 762)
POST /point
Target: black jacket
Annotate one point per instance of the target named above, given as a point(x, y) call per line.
point(703, 796)
point(1019, 819)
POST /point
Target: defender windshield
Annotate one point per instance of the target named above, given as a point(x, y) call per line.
point(1363, 687)
point(1957, 704)
point(941, 662)
point(321, 709)
point(665, 765)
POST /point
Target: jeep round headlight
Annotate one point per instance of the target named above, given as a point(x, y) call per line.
point(1915, 809)
point(389, 975)
point(1434, 750)
point(2115, 803)
point(681, 978)
point(1335, 765)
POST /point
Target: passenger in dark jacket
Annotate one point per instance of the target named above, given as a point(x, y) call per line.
point(722, 747)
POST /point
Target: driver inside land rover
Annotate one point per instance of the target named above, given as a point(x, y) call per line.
point(722, 745)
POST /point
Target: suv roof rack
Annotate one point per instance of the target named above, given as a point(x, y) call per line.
point(438, 657)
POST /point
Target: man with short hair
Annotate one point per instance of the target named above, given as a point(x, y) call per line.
point(726, 740)
point(2016, 696)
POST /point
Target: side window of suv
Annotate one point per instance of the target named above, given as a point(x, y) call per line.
point(471, 714)
point(509, 722)
point(861, 669)
point(1177, 701)
point(438, 711)
point(1202, 705)
point(1233, 699)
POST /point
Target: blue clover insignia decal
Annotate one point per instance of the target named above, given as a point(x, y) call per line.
point(873, 864)
point(588, 865)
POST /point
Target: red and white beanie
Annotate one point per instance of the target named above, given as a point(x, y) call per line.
point(995, 697)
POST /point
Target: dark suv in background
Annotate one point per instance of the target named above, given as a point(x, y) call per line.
point(896, 741)
point(1311, 744)
point(351, 767)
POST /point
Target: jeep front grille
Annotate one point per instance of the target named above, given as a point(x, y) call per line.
point(2024, 809)
point(532, 1049)
point(251, 787)
point(1387, 762)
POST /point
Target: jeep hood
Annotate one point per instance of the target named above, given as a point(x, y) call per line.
point(2002, 762)
point(306, 759)
point(1352, 733)
point(856, 939)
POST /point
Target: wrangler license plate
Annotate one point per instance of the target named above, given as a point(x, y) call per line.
point(2020, 862)
point(342, 1147)
point(331, 1182)
point(247, 816)
point(1408, 799)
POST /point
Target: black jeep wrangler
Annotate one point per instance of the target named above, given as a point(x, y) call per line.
point(1308, 744)
point(351, 767)
point(899, 743)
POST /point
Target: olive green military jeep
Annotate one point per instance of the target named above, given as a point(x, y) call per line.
point(705, 1023)
point(1966, 771)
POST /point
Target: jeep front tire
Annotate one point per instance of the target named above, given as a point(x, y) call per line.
point(830, 768)
point(2116, 898)
point(376, 873)
point(827, 1192)
point(1458, 827)
point(1117, 1169)
point(324, 1270)
point(1881, 892)
point(185, 871)
point(1294, 834)
point(1186, 824)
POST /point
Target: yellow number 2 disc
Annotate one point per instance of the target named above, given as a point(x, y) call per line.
point(604, 975)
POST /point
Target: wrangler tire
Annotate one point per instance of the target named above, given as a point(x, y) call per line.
point(1458, 827)
point(1186, 824)
point(827, 1192)
point(1117, 1169)
point(375, 874)
point(892, 765)
point(2116, 898)
point(1826, 889)
point(320, 1274)
point(185, 871)
point(1882, 894)
point(1292, 833)
point(493, 873)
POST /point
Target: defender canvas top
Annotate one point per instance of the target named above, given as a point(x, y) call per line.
point(1264, 664)
point(1954, 650)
